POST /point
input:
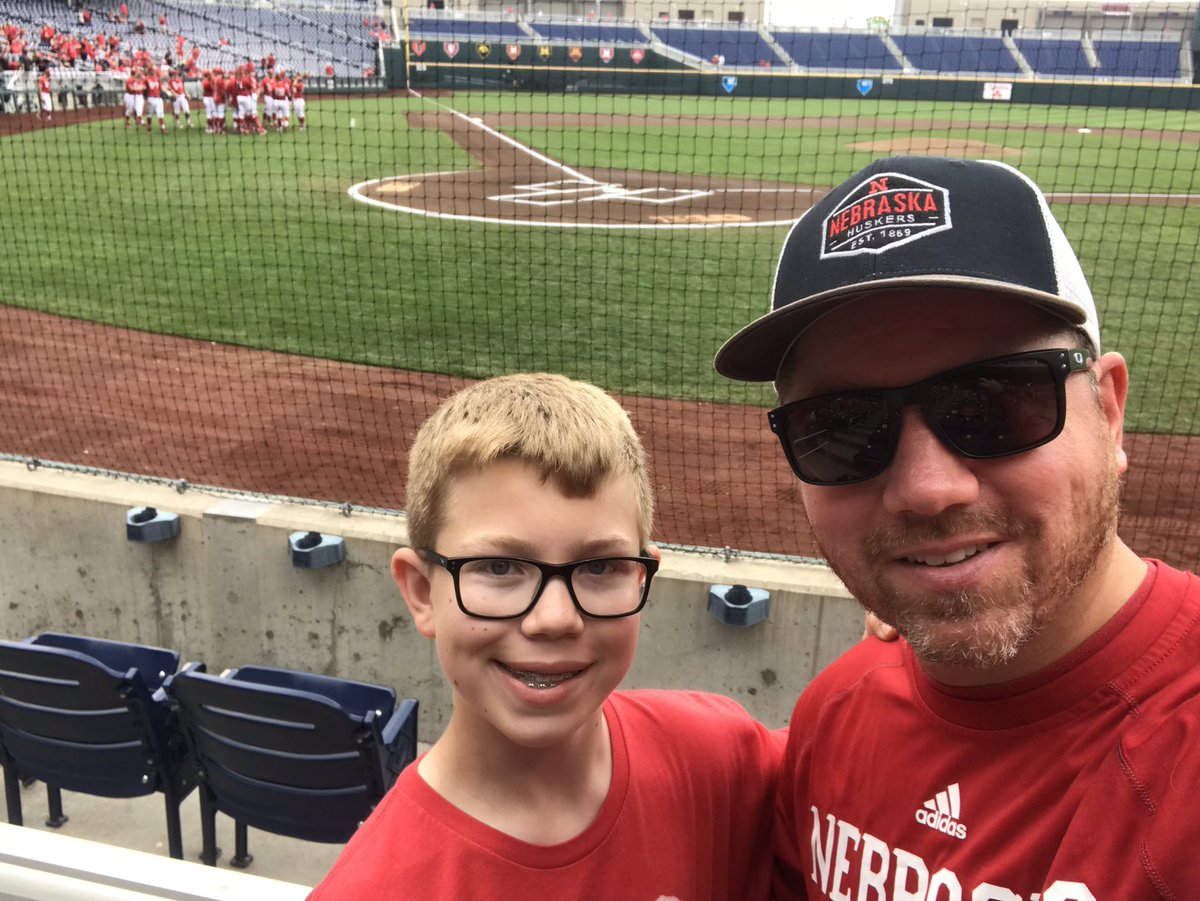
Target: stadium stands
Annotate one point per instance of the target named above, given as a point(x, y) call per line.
point(736, 46)
point(591, 32)
point(957, 53)
point(335, 37)
point(1055, 56)
point(1125, 58)
point(836, 50)
point(463, 29)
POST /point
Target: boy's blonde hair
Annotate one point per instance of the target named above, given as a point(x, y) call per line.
point(571, 432)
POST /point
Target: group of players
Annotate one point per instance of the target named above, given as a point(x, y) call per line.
point(237, 91)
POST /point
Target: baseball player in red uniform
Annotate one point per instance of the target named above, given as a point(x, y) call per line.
point(135, 97)
point(281, 91)
point(298, 99)
point(179, 101)
point(47, 102)
point(221, 99)
point(154, 101)
point(206, 93)
point(267, 86)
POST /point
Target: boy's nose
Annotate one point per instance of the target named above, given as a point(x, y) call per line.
point(554, 613)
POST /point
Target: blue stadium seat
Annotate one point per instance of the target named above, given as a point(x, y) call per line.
point(289, 752)
point(89, 715)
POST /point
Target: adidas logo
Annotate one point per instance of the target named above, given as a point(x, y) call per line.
point(941, 812)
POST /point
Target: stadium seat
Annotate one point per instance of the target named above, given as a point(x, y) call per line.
point(89, 715)
point(289, 752)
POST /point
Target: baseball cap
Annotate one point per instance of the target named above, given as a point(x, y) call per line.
point(907, 222)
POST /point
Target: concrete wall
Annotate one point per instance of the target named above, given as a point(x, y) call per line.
point(225, 593)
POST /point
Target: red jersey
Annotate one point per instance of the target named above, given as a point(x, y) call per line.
point(44, 84)
point(246, 85)
point(230, 86)
point(135, 84)
point(279, 89)
point(175, 86)
point(206, 87)
point(297, 88)
point(153, 86)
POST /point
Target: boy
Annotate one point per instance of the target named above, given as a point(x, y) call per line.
point(529, 510)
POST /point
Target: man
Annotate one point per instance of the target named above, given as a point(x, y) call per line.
point(936, 351)
point(154, 101)
point(45, 99)
point(135, 97)
point(179, 100)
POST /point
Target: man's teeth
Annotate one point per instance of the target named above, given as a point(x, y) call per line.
point(541, 680)
point(945, 560)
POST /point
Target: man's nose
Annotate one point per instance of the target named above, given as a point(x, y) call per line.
point(926, 477)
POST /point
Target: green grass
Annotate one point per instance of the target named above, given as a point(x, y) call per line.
point(255, 242)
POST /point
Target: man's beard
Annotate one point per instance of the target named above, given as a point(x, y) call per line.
point(990, 626)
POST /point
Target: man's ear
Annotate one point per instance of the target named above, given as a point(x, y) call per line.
point(412, 578)
point(1113, 377)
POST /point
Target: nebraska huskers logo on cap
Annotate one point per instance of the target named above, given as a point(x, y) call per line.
point(885, 211)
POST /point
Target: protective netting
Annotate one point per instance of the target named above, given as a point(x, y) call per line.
point(275, 305)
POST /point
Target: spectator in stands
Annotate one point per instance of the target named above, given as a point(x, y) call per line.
point(958, 433)
point(548, 782)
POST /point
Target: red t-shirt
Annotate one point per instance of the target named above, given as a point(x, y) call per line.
point(297, 89)
point(1077, 783)
point(175, 86)
point(153, 87)
point(687, 817)
point(135, 85)
point(43, 84)
point(280, 89)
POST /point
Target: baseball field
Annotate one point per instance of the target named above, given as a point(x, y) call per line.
point(278, 313)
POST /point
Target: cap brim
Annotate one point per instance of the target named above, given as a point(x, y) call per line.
point(755, 353)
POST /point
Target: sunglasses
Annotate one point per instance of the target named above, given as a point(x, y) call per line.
point(984, 410)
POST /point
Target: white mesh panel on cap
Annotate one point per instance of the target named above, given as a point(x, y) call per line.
point(1072, 283)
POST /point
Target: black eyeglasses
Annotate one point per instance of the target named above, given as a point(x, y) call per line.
point(509, 587)
point(989, 409)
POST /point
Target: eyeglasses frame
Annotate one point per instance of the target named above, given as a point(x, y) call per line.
point(1063, 363)
point(454, 565)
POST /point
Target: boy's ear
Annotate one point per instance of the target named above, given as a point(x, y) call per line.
point(654, 552)
point(408, 569)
